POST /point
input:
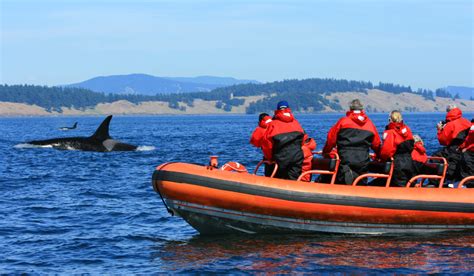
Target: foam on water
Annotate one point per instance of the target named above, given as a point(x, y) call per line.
point(145, 148)
point(31, 146)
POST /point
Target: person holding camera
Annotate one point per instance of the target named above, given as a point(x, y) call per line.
point(451, 134)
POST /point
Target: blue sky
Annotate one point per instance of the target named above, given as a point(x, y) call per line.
point(422, 43)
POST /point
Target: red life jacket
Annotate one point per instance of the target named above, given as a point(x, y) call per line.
point(355, 130)
point(398, 139)
point(308, 147)
point(455, 130)
point(257, 136)
point(284, 134)
point(468, 144)
point(419, 153)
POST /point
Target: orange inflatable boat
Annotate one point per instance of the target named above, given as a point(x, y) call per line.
point(216, 201)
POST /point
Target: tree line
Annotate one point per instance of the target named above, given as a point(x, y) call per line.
point(305, 95)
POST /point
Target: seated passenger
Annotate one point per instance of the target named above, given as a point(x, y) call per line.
point(353, 136)
point(398, 143)
point(418, 154)
point(451, 134)
point(467, 156)
point(308, 146)
point(283, 141)
point(257, 138)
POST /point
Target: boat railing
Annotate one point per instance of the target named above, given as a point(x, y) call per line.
point(275, 168)
point(437, 175)
point(327, 166)
point(387, 172)
point(465, 180)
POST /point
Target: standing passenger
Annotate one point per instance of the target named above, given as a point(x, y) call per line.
point(353, 135)
point(283, 141)
point(398, 143)
point(451, 134)
point(257, 138)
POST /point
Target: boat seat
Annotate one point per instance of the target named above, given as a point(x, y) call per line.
point(323, 166)
point(328, 164)
point(435, 168)
point(378, 169)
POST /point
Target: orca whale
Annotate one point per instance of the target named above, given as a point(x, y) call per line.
point(99, 141)
point(68, 128)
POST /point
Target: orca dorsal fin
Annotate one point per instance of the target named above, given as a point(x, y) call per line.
point(75, 125)
point(102, 133)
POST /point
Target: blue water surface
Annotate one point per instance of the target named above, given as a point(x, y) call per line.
point(91, 212)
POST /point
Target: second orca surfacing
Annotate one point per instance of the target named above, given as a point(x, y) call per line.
point(99, 141)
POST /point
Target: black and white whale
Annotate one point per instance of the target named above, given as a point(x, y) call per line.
point(68, 128)
point(99, 141)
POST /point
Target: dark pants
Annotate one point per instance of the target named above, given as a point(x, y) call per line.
point(403, 169)
point(291, 171)
point(466, 166)
point(453, 156)
point(269, 169)
point(354, 162)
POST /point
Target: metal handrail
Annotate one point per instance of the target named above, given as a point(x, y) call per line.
point(266, 162)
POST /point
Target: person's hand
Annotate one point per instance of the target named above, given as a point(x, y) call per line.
point(440, 125)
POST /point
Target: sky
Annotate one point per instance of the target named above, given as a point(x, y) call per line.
point(421, 43)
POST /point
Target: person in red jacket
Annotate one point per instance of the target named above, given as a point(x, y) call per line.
point(257, 138)
point(353, 136)
point(308, 146)
point(451, 134)
point(283, 141)
point(467, 156)
point(419, 154)
point(398, 143)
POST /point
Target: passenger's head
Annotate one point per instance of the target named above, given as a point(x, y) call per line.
point(395, 116)
point(262, 116)
point(356, 105)
point(451, 107)
point(417, 138)
point(282, 105)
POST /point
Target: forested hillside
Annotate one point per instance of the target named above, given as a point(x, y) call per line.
point(309, 95)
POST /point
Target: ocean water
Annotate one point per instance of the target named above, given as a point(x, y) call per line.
point(89, 212)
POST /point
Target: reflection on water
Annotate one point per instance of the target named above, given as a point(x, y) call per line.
point(284, 254)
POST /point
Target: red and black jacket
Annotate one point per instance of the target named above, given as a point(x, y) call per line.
point(257, 136)
point(283, 139)
point(353, 135)
point(468, 144)
point(398, 139)
point(455, 130)
point(419, 153)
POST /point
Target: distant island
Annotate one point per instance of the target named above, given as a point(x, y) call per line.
point(306, 96)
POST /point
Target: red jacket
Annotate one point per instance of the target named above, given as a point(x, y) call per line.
point(257, 136)
point(354, 129)
point(395, 138)
point(282, 128)
point(419, 153)
point(468, 144)
point(308, 147)
point(455, 129)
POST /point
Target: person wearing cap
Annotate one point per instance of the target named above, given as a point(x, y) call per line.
point(257, 138)
point(419, 154)
point(282, 142)
point(398, 143)
point(451, 134)
point(353, 136)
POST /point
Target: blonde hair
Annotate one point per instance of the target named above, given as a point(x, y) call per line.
point(450, 107)
point(396, 116)
point(417, 138)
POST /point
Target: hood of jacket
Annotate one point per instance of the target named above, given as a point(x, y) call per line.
point(400, 128)
point(265, 121)
point(453, 114)
point(419, 147)
point(284, 115)
point(358, 116)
